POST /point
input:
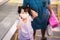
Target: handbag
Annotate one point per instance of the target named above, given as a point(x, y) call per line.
point(53, 20)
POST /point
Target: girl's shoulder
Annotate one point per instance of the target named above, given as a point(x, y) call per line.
point(30, 18)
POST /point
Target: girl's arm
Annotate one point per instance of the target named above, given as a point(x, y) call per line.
point(18, 26)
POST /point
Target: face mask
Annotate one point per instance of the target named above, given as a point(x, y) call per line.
point(24, 16)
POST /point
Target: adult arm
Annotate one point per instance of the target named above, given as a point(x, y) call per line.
point(50, 8)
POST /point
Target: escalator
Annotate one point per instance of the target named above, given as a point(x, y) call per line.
point(8, 16)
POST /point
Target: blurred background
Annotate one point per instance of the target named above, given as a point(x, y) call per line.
point(9, 16)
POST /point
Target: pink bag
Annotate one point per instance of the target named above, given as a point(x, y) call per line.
point(53, 20)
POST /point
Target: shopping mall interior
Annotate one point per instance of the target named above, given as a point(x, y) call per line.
point(9, 16)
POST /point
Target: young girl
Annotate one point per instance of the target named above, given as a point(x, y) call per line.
point(25, 31)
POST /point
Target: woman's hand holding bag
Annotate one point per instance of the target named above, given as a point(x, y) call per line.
point(53, 20)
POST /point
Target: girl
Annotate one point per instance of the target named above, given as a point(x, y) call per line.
point(25, 31)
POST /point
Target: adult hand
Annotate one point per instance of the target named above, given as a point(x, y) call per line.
point(50, 15)
point(34, 13)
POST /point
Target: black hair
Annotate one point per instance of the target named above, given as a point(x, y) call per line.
point(26, 9)
point(19, 9)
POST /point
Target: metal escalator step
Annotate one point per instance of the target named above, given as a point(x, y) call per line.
point(54, 31)
point(53, 39)
point(48, 38)
point(8, 17)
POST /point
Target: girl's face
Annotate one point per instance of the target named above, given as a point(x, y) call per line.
point(22, 11)
point(26, 11)
point(24, 14)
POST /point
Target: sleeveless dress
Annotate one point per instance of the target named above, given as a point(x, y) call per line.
point(41, 7)
point(26, 30)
